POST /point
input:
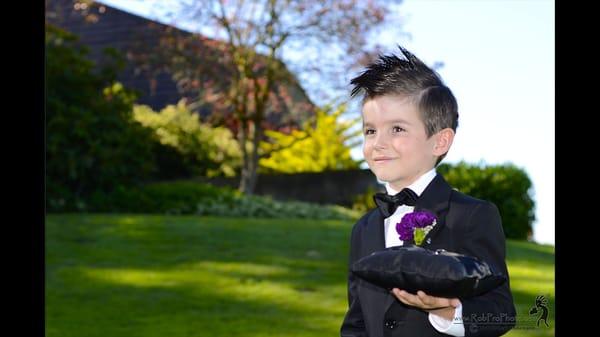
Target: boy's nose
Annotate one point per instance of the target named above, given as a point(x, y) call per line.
point(381, 141)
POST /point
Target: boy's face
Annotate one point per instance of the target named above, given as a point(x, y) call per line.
point(392, 128)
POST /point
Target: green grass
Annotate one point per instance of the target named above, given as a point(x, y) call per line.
point(531, 270)
point(132, 275)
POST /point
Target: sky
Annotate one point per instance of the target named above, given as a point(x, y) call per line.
point(498, 59)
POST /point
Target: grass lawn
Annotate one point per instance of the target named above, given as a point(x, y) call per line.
point(132, 275)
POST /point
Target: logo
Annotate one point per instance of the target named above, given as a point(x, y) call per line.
point(541, 308)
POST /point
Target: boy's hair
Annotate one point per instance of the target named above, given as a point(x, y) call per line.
point(410, 77)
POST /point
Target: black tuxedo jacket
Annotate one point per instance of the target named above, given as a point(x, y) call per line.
point(464, 225)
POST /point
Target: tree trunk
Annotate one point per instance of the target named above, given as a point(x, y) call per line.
point(248, 180)
point(250, 160)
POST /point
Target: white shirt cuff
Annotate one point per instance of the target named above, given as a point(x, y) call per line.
point(454, 327)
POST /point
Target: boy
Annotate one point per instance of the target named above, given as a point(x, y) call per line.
point(409, 121)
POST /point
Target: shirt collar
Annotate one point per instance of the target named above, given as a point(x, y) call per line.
point(418, 186)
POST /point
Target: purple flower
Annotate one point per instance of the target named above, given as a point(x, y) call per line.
point(415, 225)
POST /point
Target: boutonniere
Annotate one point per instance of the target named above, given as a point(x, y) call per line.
point(415, 225)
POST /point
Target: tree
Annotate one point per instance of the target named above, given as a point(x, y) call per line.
point(253, 35)
point(313, 149)
point(92, 142)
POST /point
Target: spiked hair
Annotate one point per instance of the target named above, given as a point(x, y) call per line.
point(410, 77)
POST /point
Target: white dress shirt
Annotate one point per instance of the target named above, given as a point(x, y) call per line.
point(393, 239)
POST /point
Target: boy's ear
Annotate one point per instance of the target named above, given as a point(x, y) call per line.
point(443, 141)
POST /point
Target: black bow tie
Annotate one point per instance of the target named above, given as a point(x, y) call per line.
point(388, 203)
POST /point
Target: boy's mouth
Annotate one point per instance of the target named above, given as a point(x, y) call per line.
point(382, 159)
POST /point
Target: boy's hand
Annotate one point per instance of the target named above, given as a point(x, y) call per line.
point(439, 306)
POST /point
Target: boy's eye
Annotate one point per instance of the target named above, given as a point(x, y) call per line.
point(398, 129)
point(367, 131)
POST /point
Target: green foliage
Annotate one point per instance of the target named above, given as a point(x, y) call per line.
point(506, 186)
point(189, 197)
point(92, 142)
point(212, 151)
point(419, 235)
point(364, 202)
point(171, 164)
point(176, 197)
point(266, 207)
point(314, 149)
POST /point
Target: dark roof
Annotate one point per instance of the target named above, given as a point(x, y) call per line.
point(101, 26)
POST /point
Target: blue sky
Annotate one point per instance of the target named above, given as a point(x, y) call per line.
point(498, 60)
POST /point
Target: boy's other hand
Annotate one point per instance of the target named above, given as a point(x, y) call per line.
point(439, 306)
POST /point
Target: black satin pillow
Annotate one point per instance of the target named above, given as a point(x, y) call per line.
point(439, 273)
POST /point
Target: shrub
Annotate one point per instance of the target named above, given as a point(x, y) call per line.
point(189, 197)
point(92, 142)
point(507, 186)
point(364, 202)
point(209, 151)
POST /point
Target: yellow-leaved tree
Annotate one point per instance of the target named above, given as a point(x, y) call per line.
point(323, 146)
point(214, 149)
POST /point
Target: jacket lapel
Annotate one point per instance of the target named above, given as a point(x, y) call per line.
point(436, 199)
point(374, 233)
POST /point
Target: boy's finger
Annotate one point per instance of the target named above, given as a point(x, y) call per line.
point(405, 297)
point(424, 298)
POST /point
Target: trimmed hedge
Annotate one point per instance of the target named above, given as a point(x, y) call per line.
point(507, 186)
point(189, 197)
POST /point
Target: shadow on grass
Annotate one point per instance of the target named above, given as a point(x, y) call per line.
point(308, 250)
point(122, 275)
point(156, 276)
point(530, 253)
point(101, 303)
